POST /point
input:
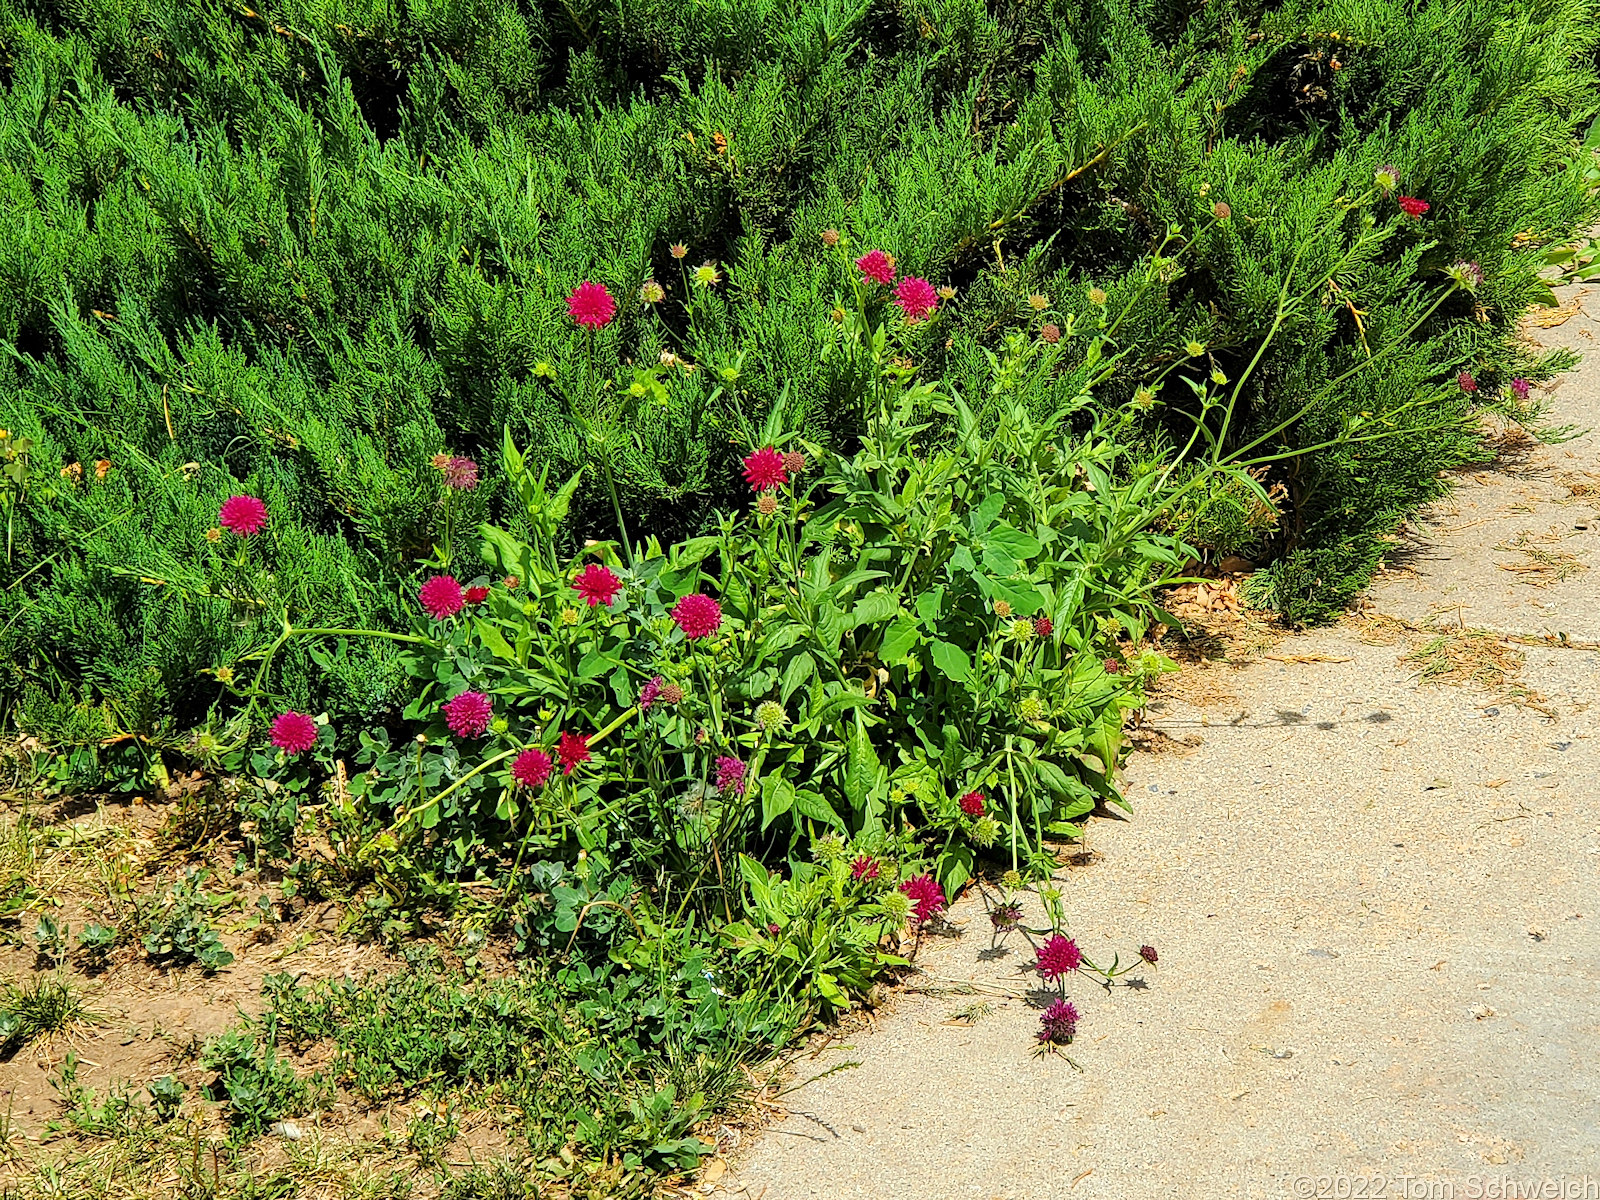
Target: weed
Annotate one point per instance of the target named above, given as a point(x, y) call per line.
point(40, 1007)
point(179, 930)
point(166, 1094)
point(256, 1085)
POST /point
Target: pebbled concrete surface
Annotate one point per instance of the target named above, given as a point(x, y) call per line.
point(1378, 910)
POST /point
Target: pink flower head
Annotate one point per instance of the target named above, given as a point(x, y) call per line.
point(294, 733)
point(765, 469)
point(461, 474)
point(877, 266)
point(242, 515)
point(531, 768)
point(730, 776)
point(1058, 957)
point(926, 896)
point(916, 297)
point(572, 749)
point(972, 804)
point(1148, 953)
point(1043, 626)
point(591, 306)
point(1112, 666)
point(1412, 207)
point(597, 584)
point(697, 615)
point(1466, 382)
point(651, 692)
point(468, 714)
point(476, 595)
point(1058, 1024)
point(1521, 387)
point(865, 867)
point(441, 596)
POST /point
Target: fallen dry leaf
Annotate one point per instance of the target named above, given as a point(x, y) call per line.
point(1561, 314)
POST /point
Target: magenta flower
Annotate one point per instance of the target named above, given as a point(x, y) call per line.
point(242, 515)
point(697, 615)
point(1412, 207)
point(927, 897)
point(730, 776)
point(591, 306)
point(972, 804)
point(765, 470)
point(651, 692)
point(1521, 387)
point(916, 297)
point(1058, 957)
point(461, 474)
point(572, 749)
point(865, 868)
point(1058, 1024)
point(468, 714)
point(441, 596)
point(531, 768)
point(1466, 382)
point(877, 266)
point(597, 584)
point(476, 595)
point(1043, 626)
point(1148, 953)
point(294, 733)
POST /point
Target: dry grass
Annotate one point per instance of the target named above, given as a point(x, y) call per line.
point(1544, 562)
point(1476, 658)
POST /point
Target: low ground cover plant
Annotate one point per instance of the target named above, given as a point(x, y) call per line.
point(305, 285)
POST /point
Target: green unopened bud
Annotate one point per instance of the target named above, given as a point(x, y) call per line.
point(770, 715)
point(1031, 709)
point(896, 906)
point(828, 848)
point(1195, 349)
point(986, 832)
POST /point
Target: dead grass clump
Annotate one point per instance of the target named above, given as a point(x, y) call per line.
point(1545, 562)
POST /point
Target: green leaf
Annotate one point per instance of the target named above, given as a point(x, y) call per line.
point(800, 669)
point(983, 516)
point(1023, 597)
point(952, 661)
point(861, 775)
point(899, 640)
point(874, 607)
point(491, 637)
point(811, 804)
point(954, 867)
point(831, 706)
point(1012, 542)
point(777, 798)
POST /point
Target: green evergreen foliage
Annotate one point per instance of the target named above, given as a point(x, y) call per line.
point(297, 249)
